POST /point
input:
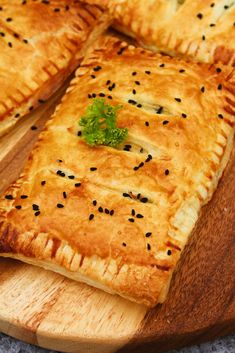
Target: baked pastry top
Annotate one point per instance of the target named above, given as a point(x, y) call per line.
point(119, 218)
point(41, 43)
point(203, 29)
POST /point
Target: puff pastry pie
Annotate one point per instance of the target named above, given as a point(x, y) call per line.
point(41, 43)
point(201, 29)
point(119, 218)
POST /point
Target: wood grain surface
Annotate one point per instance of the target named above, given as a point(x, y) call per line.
point(46, 309)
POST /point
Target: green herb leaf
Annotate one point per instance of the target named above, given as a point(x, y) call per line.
point(99, 124)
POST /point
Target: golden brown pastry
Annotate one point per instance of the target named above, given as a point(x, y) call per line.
point(119, 218)
point(41, 43)
point(201, 29)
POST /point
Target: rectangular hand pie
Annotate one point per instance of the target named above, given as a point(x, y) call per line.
point(201, 29)
point(119, 218)
point(41, 43)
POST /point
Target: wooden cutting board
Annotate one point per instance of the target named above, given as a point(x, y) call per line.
point(46, 309)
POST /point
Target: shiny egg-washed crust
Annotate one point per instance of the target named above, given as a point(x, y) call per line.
point(201, 29)
point(41, 44)
point(118, 219)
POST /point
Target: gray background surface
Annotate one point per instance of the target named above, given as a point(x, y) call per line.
point(224, 345)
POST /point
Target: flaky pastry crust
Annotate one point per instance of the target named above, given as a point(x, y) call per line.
point(203, 30)
point(41, 43)
point(118, 219)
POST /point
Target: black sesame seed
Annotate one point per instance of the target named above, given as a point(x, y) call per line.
point(93, 95)
point(79, 133)
point(64, 195)
point(30, 108)
point(139, 105)
point(181, 71)
point(100, 209)
point(23, 197)
point(144, 200)
point(141, 165)
point(60, 173)
point(148, 247)
point(101, 95)
point(93, 169)
point(33, 127)
point(162, 65)
point(77, 185)
point(137, 83)
point(167, 172)
point(59, 205)
point(169, 252)
point(131, 101)
point(17, 115)
point(9, 19)
point(18, 207)
point(139, 215)
point(91, 217)
point(202, 89)
point(136, 168)
point(218, 70)
point(25, 41)
point(219, 86)
point(108, 82)
point(35, 207)
point(184, 115)
point(146, 123)
point(57, 10)
point(43, 182)
point(159, 110)
point(203, 37)
point(134, 73)
point(41, 101)
point(148, 72)
point(71, 177)
point(212, 25)
point(94, 202)
point(10, 44)
point(220, 116)
point(97, 68)
point(16, 35)
point(165, 122)
point(200, 16)
point(37, 213)
point(178, 100)
point(110, 97)
point(133, 212)
point(148, 234)
point(213, 4)
point(111, 212)
point(9, 197)
point(124, 244)
point(134, 91)
point(126, 195)
point(131, 220)
point(106, 211)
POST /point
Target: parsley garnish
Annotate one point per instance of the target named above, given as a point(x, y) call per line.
point(99, 125)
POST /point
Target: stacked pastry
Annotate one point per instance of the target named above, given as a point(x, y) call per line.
point(117, 179)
